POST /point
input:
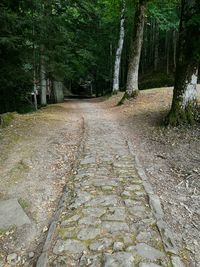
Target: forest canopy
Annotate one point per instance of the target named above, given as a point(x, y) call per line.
point(45, 43)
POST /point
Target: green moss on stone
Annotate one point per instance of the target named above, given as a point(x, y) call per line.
point(6, 119)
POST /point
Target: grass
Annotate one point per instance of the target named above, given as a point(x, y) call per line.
point(6, 119)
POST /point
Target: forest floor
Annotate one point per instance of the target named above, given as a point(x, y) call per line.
point(39, 152)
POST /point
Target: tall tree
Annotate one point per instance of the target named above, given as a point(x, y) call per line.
point(119, 51)
point(135, 51)
point(183, 108)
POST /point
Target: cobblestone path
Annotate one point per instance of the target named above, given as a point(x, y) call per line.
point(107, 220)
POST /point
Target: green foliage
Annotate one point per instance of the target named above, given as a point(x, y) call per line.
point(77, 39)
point(156, 80)
point(165, 13)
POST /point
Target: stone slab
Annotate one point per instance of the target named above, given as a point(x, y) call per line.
point(120, 259)
point(12, 214)
point(69, 246)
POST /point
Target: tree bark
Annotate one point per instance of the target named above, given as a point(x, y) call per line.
point(119, 52)
point(43, 93)
point(183, 108)
point(58, 92)
point(174, 45)
point(35, 90)
point(135, 50)
point(34, 64)
point(156, 52)
point(167, 51)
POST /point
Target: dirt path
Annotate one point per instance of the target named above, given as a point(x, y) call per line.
point(37, 156)
point(111, 216)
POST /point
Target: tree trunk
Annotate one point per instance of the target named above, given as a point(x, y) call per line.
point(167, 50)
point(156, 56)
point(43, 93)
point(174, 45)
point(34, 65)
point(35, 90)
point(111, 66)
point(58, 92)
point(119, 52)
point(135, 51)
point(183, 108)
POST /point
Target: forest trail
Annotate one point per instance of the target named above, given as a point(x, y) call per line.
point(109, 214)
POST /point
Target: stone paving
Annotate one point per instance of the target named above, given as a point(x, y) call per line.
point(107, 220)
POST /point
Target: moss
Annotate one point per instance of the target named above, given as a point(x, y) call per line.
point(23, 203)
point(2, 232)
point(178, 116)
point(66, 233)
point(6, 119)
point(185, 254)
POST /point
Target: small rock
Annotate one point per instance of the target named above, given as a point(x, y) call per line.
point(156, 206)
point(115, 214)
point(31, 254)
point(89, 221)
point(144, 237)
point(70, 246)
point(176, 262)
point(45, 229)
point(122, 259)
point(70, 220)
point(104, 200)
point(94, 212)
point(126, 194)
point(143, 264)
point(148, 252)
point(92, 260)
point(12, 257)
point(118, 246)
point(113, 227)
point(101, 244)
point(127, 239)
point(88, 233)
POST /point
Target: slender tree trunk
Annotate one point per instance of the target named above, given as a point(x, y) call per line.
point(35, 90)
point(152, 41)
point(58, 92)
point(183, 108)
point(135, 51)
point(167, 52)
point(111, 66)
point(119, 52)
point(34, 65)
point(145, 52)
point(174, 45)
point(43, 93)
point(156, 55)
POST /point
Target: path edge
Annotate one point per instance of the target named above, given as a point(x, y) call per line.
point(156, 207)
point(42, 260)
